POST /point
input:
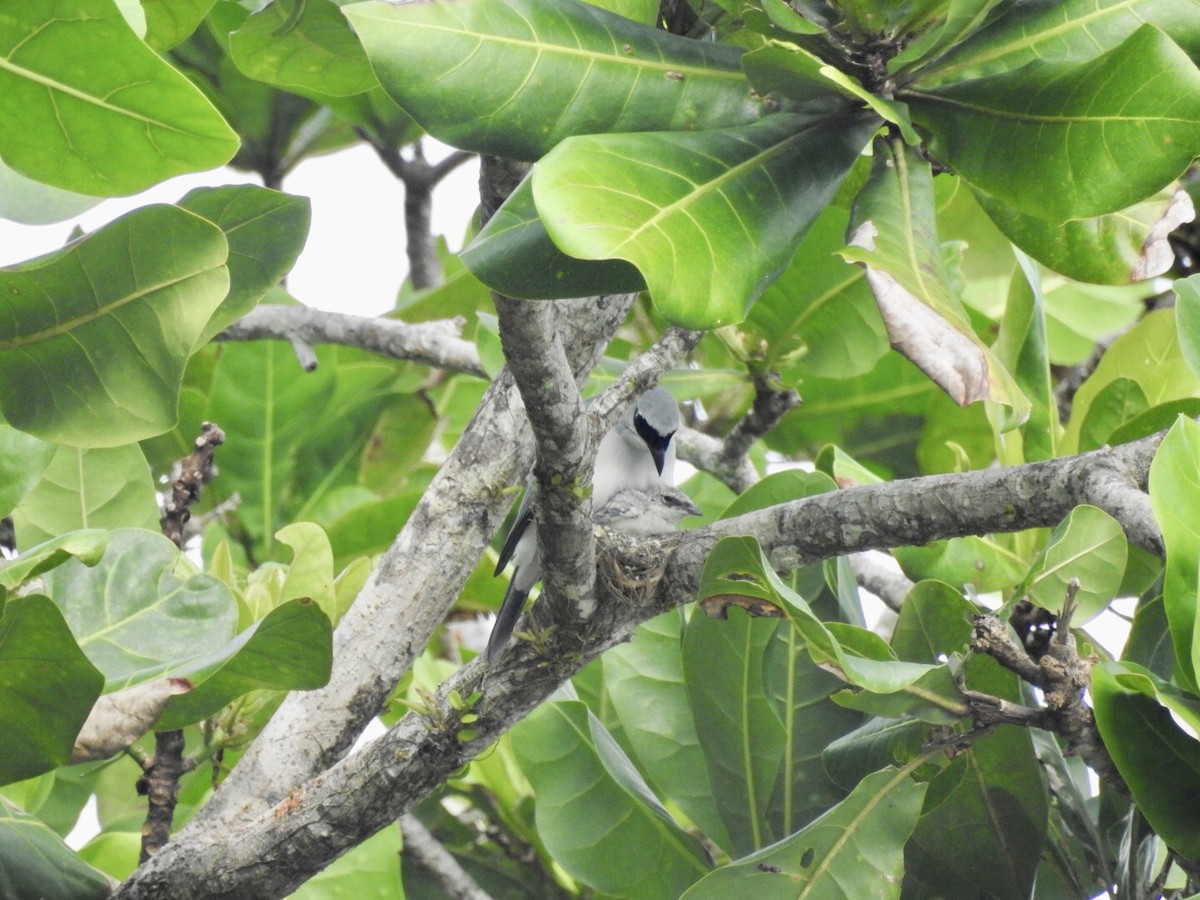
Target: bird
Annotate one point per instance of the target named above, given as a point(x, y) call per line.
point(645, 512)
point(638, 453)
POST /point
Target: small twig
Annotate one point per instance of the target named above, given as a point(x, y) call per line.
point(161, 773)
point(438, 861)
point(304, 354)
point(1062, 676)
point(195, 470)
point(772, 401)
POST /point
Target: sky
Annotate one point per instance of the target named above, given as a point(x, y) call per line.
point(354, 260)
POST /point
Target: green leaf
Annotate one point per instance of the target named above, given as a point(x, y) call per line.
point(820, 311)
point(1082, 122)
point(47, 687)
point(30, 202)
point(801, 694)
point(740, 734)
point(266, 231)
point(23, 459)
point(1089, 547)
point(140, 611)
point(1158, 760)
point(1118, 402)
point(659, 200)
point(291, 649)
point(1148, 354)
point(94, 349)
point(86, 546)
point(90, 108)
point(304, 46)
point(1119, 248)
point(35, 862)
point(169, 22)
point(981, 562)
point(1072, 30)
point(108, 488)
point(1175, 498)
point(647, 673)
point(266, 405)
point(1149, 643)
point(368, 870)
point(515, 78)
point(1021, 348)
point(855, 850)
point(1187, 319)
point(513, 254)
point(593, 807)
point(311, 572)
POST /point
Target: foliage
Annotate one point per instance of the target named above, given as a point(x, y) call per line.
point(923, 215)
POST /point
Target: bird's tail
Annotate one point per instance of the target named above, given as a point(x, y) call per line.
point(510, 611)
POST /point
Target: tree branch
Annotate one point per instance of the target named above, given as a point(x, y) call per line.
point(428, 852)
point(271, 852)
point(432, 343)
point(771, 403)
point(707, 453)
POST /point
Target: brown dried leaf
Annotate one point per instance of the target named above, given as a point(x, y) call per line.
point(717, 606)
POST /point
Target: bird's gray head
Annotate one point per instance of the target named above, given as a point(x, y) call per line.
point(655, 418)
point(647, 512)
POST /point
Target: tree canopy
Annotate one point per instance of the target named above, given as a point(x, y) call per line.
point(920, 273)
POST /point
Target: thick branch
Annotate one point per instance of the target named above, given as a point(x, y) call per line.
point(274, 851)
point(432, 343)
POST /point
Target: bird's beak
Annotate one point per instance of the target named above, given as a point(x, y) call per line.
point(659, 455)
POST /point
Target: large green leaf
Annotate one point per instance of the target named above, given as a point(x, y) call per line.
point(648, 673)
point(984, 820)
point(1072, 30)
point(47, 687)
point(106, 488)
point(513, 254)
point(740, 734)
point(515, 78)
point(1022, 349)
point(90, 108)
point(1125, 246)
point(35, 862)
point(169, 22)
point(93, 350)
point(709, 218)
point(820, 311)
point(291, 649)
point(266, 404)
point(1083, 123)
point(266, 231)
point(984, 563)
point(1158, 760)
point(305, 46)
point(593, 807)
point(1087, 548)
point(856, 850)
point(23, 458)
point(894, 234)
point(1175, 498)
point(142, 610)
point(1187, 319)
point(30, 202)
point(1148, 354)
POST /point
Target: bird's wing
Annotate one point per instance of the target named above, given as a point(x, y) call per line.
point(523, 521)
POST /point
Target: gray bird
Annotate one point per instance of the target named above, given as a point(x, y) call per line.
point(646, 512)
point(638, 453)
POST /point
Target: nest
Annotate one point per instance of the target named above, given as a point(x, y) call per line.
point(630, 568)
